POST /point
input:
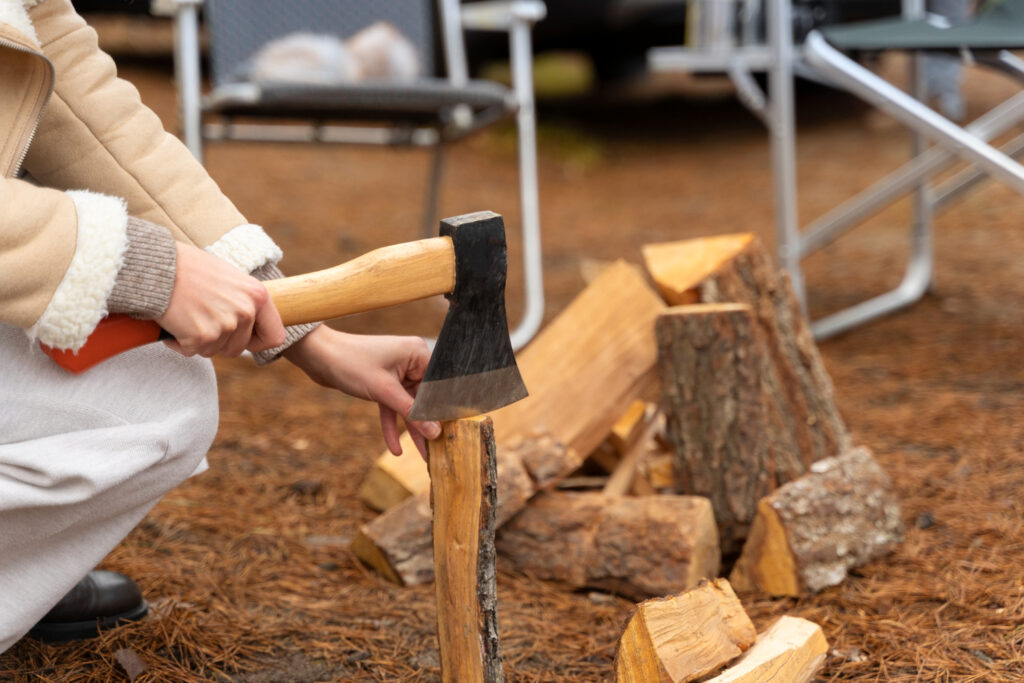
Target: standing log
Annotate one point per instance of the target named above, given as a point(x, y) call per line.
point(792, 650)
point(685, 637)
point(595, 358)
point(810, 532)
point(720, 412)
point(654, 545)
point(464, 477)
point(737, 269)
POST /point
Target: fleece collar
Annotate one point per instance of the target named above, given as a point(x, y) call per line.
point(14, 13)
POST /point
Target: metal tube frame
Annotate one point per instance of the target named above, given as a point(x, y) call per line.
point(516, 17)
point(968, 144)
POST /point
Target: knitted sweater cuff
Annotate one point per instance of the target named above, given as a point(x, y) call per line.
point(143, 286)
point(293, 333)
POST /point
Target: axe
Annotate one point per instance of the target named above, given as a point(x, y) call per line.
point(472, 369)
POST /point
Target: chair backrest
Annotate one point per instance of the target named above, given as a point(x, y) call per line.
point(237, 29)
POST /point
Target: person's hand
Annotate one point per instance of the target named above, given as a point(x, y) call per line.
point(386, 370)
point(216, 309)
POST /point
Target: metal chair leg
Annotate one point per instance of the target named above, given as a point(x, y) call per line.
point(522, 78)
point(430, 203)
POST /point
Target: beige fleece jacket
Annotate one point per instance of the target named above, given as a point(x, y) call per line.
point(97, 155)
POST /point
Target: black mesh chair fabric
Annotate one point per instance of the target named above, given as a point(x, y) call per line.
point(239, 28)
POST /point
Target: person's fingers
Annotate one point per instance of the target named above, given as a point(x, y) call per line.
point(268, 330)
point(429, 429)
point(238, 340)
point(389, 428)
point(421, 443)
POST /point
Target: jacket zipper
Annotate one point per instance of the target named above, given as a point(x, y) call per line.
point(37, 109)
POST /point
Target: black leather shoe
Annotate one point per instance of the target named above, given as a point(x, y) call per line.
point(101, 600)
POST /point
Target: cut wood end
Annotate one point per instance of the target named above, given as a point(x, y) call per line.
point(392, 478)
point(367, 551)
point(684, 637)
point(705, 309)
point(677, 268)
point(792, 649)
point(767, 563)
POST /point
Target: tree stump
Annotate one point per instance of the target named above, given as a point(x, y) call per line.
point(722, 417)
point(737, 269)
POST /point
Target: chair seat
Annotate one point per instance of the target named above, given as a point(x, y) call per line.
point(998, 28)
point(421, 100)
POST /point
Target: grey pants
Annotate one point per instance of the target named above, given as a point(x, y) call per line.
point(84, 458)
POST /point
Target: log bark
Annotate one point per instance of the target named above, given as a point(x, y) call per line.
point(596, 357)
point(719, 410)
point(685, 637)
point(464, 480)
point(637, 547)
point(809, 533)
point(737, 269)
point(791, 650)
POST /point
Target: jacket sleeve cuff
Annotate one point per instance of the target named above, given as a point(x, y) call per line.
point(80, 300)
point(247, 247)
point(145, 282)
point(293, 333)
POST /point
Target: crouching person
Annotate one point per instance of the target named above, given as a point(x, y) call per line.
point(102, 211)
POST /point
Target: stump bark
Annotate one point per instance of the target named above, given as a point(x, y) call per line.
point(737, 269)
point(722, 417)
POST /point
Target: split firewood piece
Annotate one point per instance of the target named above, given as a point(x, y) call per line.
point(792, 650)
point(630, 425)
point(637, 547)
point(684, 637)
point(737, 269)
point(393, 479)
point(464, 480)
point(597, 356)
point(810, 532)
point(398, 543)
point(721, 414)
point(659, 470)
point(623, 478)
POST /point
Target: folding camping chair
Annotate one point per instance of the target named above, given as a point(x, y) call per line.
point(996, 28)
point(440, 106)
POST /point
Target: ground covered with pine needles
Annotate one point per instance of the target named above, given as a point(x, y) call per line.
point(246, 567)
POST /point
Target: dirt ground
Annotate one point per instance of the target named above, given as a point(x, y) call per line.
point(247, 567)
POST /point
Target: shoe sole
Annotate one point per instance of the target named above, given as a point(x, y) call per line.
point(80, 630)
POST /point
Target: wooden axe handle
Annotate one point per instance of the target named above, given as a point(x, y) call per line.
point(378, 279)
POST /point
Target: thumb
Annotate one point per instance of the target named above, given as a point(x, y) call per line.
point(397, 398)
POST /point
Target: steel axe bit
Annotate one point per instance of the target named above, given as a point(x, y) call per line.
point(472, 369)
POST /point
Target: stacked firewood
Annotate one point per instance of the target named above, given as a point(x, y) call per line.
point(667, 429)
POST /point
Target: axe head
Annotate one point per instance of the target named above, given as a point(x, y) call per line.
point(472, 369)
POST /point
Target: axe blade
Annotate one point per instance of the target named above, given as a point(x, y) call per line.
point(472, 369)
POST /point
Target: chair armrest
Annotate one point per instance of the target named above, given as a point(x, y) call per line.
point(500, 15)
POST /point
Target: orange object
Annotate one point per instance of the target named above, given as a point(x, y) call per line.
point(114, 334)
